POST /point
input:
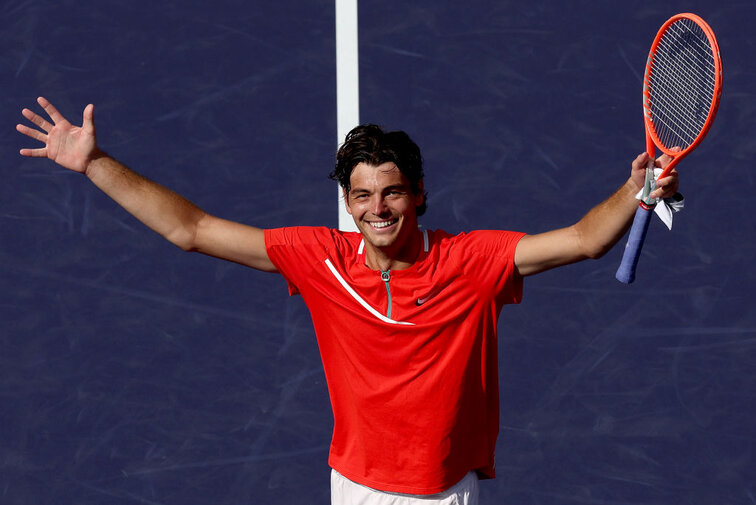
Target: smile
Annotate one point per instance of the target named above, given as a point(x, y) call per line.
point(383, 224)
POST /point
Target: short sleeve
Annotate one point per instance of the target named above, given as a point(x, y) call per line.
point(296, 251)
point(293, 252)
point(491, 255)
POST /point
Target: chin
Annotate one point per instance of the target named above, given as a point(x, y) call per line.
point(378, 239)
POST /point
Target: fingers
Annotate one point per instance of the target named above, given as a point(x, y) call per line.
point(640, 161)
point(667, 186)
point(31, 132)
point(37, 120)
point(56, 116)
point(671, 180)
point(34, 153)
point(35, 134)
point(638, 172)
point(664, 160)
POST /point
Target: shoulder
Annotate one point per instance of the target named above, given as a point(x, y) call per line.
point(490, 242)
point(311, 236)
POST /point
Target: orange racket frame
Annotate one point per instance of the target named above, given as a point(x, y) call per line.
point(637, 235)
point(652, 137)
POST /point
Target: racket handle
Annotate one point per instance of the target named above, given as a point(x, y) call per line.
point(626, 270)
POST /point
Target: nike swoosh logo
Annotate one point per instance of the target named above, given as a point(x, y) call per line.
point(421, 301)
point(434, 292)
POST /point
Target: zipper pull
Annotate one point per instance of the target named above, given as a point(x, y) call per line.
point(386, 277)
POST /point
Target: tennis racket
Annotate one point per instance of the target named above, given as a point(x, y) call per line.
point(681, 90)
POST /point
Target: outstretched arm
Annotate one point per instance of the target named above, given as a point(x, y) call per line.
point(597, 232)
point(166, 212)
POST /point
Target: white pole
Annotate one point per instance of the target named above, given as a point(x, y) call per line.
point(347, 85)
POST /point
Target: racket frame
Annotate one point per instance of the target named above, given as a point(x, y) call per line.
point(626, 270)
point(652, 137)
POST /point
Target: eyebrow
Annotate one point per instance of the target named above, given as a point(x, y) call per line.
point(402, 187)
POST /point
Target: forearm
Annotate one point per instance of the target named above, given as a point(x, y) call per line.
point(164, 211)
point(598, 231)
point(169, 214)
point(605, 224)
point(591, 237)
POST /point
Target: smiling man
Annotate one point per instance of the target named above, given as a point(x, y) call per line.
point(406, 320)
point(384, 200)
point(383, 205)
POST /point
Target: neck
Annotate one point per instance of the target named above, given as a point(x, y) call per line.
point(384, 259)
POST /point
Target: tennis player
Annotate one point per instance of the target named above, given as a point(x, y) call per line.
point(405, 319)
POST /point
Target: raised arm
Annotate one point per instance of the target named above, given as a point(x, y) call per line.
point(597, 232)
point(166, 212)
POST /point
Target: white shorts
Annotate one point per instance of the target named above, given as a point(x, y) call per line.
point(347, 492)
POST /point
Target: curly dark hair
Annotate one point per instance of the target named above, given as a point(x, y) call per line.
point(370, 144)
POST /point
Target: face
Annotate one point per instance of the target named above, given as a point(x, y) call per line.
point(383, 206)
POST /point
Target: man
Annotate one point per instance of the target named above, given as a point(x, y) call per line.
point(405, 319)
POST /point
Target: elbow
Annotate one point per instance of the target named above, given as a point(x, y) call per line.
point(591, 248)
point(182, 239)
point(185, 236)
point(187, 247)
point(597, 250)
point(596, 253)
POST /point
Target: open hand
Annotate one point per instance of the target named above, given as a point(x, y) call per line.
point(70, 146)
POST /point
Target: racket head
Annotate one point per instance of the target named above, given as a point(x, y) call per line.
point(682, 85)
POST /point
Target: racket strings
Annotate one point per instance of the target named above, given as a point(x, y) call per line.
point(680, 106)
point(688, 92)
point(683, 61)
point(680, 84)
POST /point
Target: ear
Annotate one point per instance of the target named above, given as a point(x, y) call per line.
point(420, 195)
point(346, 201)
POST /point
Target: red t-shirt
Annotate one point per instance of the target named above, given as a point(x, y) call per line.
point(415, 395)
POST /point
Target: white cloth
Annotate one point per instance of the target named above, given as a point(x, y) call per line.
point(347, 492)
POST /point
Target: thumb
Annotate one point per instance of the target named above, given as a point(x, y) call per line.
point(88, 119)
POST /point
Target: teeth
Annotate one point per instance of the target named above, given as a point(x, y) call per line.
point(382, 224)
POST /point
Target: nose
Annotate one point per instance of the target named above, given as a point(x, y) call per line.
point(378, 205)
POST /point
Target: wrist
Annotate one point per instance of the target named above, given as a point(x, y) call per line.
point(636, 181)
point(94, 159)
point(632, 186)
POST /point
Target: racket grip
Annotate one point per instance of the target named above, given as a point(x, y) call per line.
point(626, 270)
